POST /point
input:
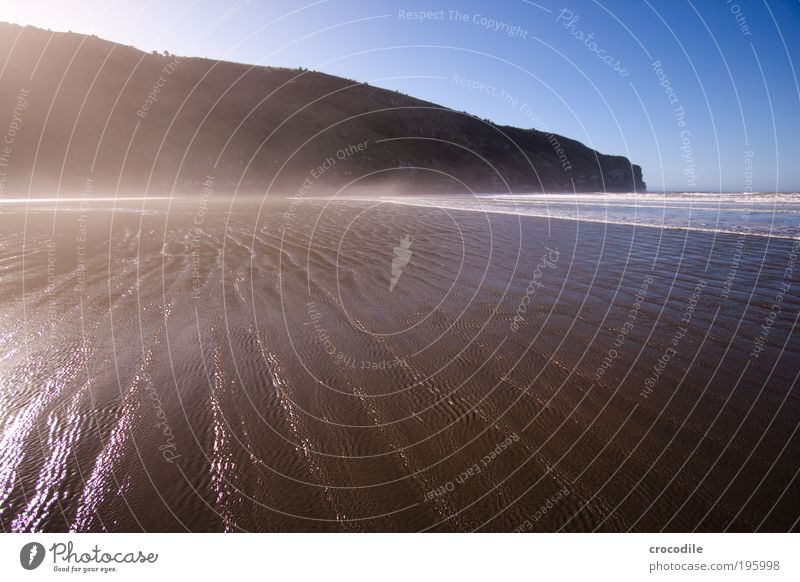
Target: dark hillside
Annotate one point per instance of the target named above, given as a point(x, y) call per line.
point(82, 107)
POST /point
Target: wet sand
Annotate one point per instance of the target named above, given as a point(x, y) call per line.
point(201, 365)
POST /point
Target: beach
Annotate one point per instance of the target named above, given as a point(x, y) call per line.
point(266, 364)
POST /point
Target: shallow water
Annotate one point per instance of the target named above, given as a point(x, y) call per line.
point(751, 213)
point(209, 364)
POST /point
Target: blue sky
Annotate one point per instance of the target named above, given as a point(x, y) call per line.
point(581, 68)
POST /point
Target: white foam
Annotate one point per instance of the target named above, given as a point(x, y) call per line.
point(767, 214)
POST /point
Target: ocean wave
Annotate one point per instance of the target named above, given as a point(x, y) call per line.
point(773, 215)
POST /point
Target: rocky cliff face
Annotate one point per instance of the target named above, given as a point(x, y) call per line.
point(93, 116)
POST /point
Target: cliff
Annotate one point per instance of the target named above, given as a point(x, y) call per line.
point(83, 114)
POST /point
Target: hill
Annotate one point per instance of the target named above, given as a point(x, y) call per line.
point(85, 114)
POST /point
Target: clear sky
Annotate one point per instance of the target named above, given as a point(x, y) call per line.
point(582, 68)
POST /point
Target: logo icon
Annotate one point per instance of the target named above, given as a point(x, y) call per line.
point(402, 254)
point(31, 555)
